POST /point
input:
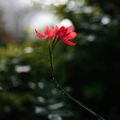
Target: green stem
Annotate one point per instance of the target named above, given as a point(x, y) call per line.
point(64, 91)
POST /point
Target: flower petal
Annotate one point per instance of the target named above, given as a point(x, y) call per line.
point(61, 28)
point(39, 35)
point(69, 29)
point(71, 36)
point(69, 42)
point(47, 30)
point(61, 32)
point(51, 35)
point(53, 32)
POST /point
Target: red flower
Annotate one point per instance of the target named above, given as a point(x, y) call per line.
point(66, 35)
point(49, 33)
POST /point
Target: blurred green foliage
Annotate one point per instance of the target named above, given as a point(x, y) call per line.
point(26, 91)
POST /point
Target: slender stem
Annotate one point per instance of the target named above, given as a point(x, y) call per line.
point(54, 42)
point(51, 66)
point(64, 91)
point(51, 62)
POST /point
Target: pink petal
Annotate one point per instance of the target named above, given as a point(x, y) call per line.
point(69, 42)
point(39, 35)
point(51, 35)
point(61, 32)
point(71, 36)
point(47, 30)
point(61, 29)
point(53, 32)
point(69, 29)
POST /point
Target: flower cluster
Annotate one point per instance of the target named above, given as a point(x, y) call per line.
point(65, 34)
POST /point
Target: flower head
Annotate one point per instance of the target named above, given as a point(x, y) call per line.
point(48, 33)
point(65, 34)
